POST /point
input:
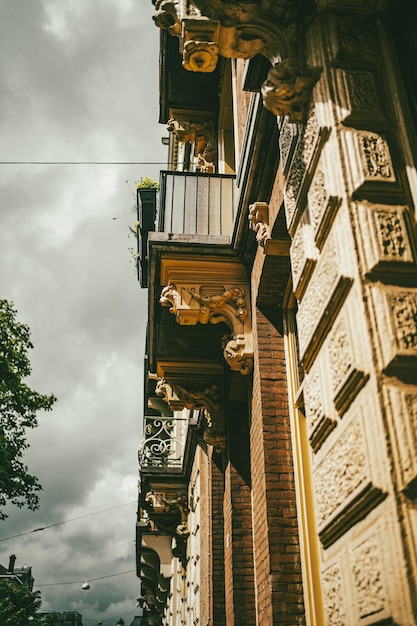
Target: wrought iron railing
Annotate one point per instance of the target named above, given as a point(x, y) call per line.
point(164, 443)
point(195, 203)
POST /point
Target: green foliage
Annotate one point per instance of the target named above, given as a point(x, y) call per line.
point(147, 183)
point(18, 605)
point(19, 405)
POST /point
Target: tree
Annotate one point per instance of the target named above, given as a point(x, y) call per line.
point(18, 605)
point(19, 405)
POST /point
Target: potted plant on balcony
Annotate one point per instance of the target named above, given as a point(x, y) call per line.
point(147, 190)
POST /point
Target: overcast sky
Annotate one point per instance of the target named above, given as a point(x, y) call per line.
point(78, 81)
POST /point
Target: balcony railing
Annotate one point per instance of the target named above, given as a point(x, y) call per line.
point(163, 446)
point(193, 203)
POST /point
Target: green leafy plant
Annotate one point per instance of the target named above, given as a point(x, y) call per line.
point(147, 183)
point(19, 405)
point(18, 605)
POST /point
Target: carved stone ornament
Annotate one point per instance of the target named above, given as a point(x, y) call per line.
point(243, 29)
point(395, 327)
point(166, 16)
point(192, 304)
point(203, 134)
point(401, 405)
point(200, 56)
point(345, 482)
point(387, 242)
point(259, 222)
point(170, 503)
point(208, 400)
point(287, 90)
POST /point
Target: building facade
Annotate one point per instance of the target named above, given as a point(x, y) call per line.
point(278, 472)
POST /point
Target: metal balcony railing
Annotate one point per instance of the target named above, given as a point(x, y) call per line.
point(193, 203)
point(163, 446)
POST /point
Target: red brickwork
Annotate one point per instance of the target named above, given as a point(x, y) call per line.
point(276, 546)
point(239, 573)
point(217, 540)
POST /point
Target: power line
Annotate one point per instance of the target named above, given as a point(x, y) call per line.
point(83, 163)
point(36, 530)
point(76, 582)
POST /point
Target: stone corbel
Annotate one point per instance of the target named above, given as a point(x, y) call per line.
point(208, 400)
point(162, 503)
point(243, 29)
point(203, 133)
point(259, 222)
point(191, 305)
point(287, 90)
point(167, 16)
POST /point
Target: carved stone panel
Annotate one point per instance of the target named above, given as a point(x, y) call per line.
point(356, 97)
point(334, 595)
point(369, 165)
point(345, 481)
point(322, 204)
point(303, 256)
point(345, 361)
point(401, 406)
point(351, 39)
point(326, 291)
point(307, 153)
point(368, 578)
point(387, 246)
point(288, 136)
point(395, 330)
point(318, 409)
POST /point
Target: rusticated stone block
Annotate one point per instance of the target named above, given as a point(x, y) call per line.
point(347, 483)
point(328, 287)
point(401, 407)
point(306, 154)
point(322, 204)
point(356, 96)
point(334, 595)
point(395, 330)
point(387, 247)
point(320, 421)
point(369, 165)
point(345, 360)
point(303, 257)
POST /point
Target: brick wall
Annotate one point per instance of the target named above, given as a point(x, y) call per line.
point(276, 546)
point(239, 572)
point(217, 539)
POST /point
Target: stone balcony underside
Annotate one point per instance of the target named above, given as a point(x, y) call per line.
point(209, 29)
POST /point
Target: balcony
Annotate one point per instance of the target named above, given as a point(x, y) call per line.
point(193, 203)
point(162, 449)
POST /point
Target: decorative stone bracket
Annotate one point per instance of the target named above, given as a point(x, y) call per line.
point(203, 134)
point(242, 29)
point(213, 304)
point(208, 399)
point(164, 503)
point(212, 291)
point(259, 222)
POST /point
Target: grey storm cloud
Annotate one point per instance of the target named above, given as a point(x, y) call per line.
point(78, 81)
